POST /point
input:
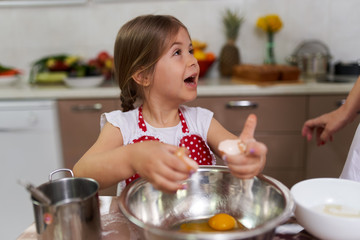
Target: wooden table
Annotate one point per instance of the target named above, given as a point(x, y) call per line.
point(115, 226)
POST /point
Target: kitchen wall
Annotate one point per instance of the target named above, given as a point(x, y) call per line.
point(28, 33)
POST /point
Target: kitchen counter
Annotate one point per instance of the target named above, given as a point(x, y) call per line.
point(206, 87)
point(116, 226)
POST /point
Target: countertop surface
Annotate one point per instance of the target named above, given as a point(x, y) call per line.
point(206, 87)
point(116, 226)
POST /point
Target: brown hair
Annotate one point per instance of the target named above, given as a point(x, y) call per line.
point(139, 45)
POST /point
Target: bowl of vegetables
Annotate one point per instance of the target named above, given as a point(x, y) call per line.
point(205, 58)
point(84, 82)
point(72, 70)
point(8, 75)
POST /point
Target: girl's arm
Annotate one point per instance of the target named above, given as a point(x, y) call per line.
point(216, 134)
point(109, 162)
point(248, 164)
point(101, 161)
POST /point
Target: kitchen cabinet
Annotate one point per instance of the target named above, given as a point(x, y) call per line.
point(80, 127)
point(290, 157)
point(280, 119)
point(328, 160)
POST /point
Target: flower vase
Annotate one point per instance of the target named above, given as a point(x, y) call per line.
point(270, 56)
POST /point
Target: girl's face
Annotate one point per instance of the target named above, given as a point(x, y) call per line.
point(176, 73)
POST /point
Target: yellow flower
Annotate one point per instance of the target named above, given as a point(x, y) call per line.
point(269, 23)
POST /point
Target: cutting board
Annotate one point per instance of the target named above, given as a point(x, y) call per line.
point(265, 74)
point(265, 83)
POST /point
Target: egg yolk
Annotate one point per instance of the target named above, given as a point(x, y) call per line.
point(222, 222)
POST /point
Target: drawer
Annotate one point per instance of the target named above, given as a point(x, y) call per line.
point(80, 125)
point(275, 113)
point(285, 151)
point(323, 104)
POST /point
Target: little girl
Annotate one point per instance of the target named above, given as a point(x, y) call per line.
point(154, 62)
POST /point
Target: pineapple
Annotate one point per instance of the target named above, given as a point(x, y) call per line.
point(229, 55)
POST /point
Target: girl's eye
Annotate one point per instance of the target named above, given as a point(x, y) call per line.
point(191, 51)
point(177, 52)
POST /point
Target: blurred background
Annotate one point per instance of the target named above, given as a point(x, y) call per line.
point(30, 32)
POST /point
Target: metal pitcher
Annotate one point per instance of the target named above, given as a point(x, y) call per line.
point(73, 213)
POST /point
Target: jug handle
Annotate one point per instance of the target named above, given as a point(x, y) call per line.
point(60, 170)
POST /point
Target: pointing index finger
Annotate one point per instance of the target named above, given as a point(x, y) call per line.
point(249, 128)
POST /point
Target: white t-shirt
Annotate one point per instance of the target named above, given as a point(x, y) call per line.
point(197, 119)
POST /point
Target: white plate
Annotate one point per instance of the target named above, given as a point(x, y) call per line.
point(84, 82)
point(8, 80)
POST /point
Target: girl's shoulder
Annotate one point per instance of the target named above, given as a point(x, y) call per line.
point(197, 116)
point(118, 118)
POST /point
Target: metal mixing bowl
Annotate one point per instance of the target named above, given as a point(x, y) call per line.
point(260, 204)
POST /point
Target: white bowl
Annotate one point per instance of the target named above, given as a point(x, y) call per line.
point(328, 208)
point(84, 82)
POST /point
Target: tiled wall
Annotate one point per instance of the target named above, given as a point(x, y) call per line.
point(28, 33)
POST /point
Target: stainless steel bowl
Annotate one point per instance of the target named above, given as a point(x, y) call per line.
point(260, 204)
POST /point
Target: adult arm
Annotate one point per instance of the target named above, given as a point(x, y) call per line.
point(327, 124)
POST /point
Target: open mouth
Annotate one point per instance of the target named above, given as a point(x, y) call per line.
point(190, 80)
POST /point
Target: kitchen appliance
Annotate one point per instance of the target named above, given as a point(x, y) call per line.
point(313, 58)
point(347, 68)
point(30, 148)
point(343, 72)
point(260, 204)
point(73, 212)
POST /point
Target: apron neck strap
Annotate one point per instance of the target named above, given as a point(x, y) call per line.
point(142, 124)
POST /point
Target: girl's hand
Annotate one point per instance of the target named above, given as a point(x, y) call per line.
point(158, 163)
point(252, 161)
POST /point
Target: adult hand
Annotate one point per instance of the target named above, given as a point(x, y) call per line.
point(252, 161)
point(325, 126)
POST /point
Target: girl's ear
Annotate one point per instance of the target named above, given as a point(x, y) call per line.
point(141, 78)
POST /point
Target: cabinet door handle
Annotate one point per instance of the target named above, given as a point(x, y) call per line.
point(242, 104)
point(88, 108)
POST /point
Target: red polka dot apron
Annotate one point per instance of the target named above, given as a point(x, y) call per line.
point(199, 151)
